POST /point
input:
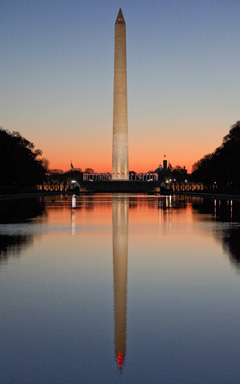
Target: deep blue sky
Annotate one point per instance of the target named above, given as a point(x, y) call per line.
point(57, 77)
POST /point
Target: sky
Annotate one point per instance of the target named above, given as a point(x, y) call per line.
point(56, 78)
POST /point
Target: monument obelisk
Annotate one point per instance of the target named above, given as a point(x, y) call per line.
point(120, 117)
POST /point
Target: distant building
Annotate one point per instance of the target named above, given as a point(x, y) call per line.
point(97, 176)
point(165, 164)
point(149, 176)
point(133, 176)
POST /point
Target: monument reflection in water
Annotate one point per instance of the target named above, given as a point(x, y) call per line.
point(120, 206)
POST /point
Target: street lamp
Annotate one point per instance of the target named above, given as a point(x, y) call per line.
point(76, 183)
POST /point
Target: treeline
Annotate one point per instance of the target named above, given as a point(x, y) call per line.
point(222, 167)
point(21, 164)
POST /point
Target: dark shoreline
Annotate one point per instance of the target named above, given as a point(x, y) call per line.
point(32, 194)
point(219, 196)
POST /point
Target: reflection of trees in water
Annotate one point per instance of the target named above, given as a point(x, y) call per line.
point(13, 212)
point(20, 210)
point(222, 210)
point(231, 244)
point(11, 245)
point(227, 212)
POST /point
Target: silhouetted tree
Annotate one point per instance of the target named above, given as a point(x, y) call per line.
point(20, 163)
point(223, 165)
point(179, 173)
point(89, 170)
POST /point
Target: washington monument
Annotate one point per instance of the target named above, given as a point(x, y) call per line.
point(120, 117)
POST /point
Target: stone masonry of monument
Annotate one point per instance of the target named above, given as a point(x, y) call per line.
point(120, 170)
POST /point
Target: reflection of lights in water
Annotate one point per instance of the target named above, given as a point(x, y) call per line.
point(165, 214)
point(73, 223)
point(160, 213)
point(120, 265)
point(74, 201)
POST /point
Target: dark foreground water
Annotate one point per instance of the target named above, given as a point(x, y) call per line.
point(122, 289)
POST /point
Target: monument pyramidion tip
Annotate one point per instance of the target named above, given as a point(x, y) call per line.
point(120, 18)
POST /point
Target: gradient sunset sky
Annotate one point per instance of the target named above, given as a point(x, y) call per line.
point(56, 78)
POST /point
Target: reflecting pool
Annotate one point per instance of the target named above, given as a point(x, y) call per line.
point(120, 289)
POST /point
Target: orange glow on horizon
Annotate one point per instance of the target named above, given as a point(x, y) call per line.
point(104, 165)
point(138, 166)
point(145, 152)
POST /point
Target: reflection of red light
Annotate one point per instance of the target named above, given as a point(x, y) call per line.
point(120, 359)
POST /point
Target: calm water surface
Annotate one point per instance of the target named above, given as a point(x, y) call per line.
point(122, 289)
